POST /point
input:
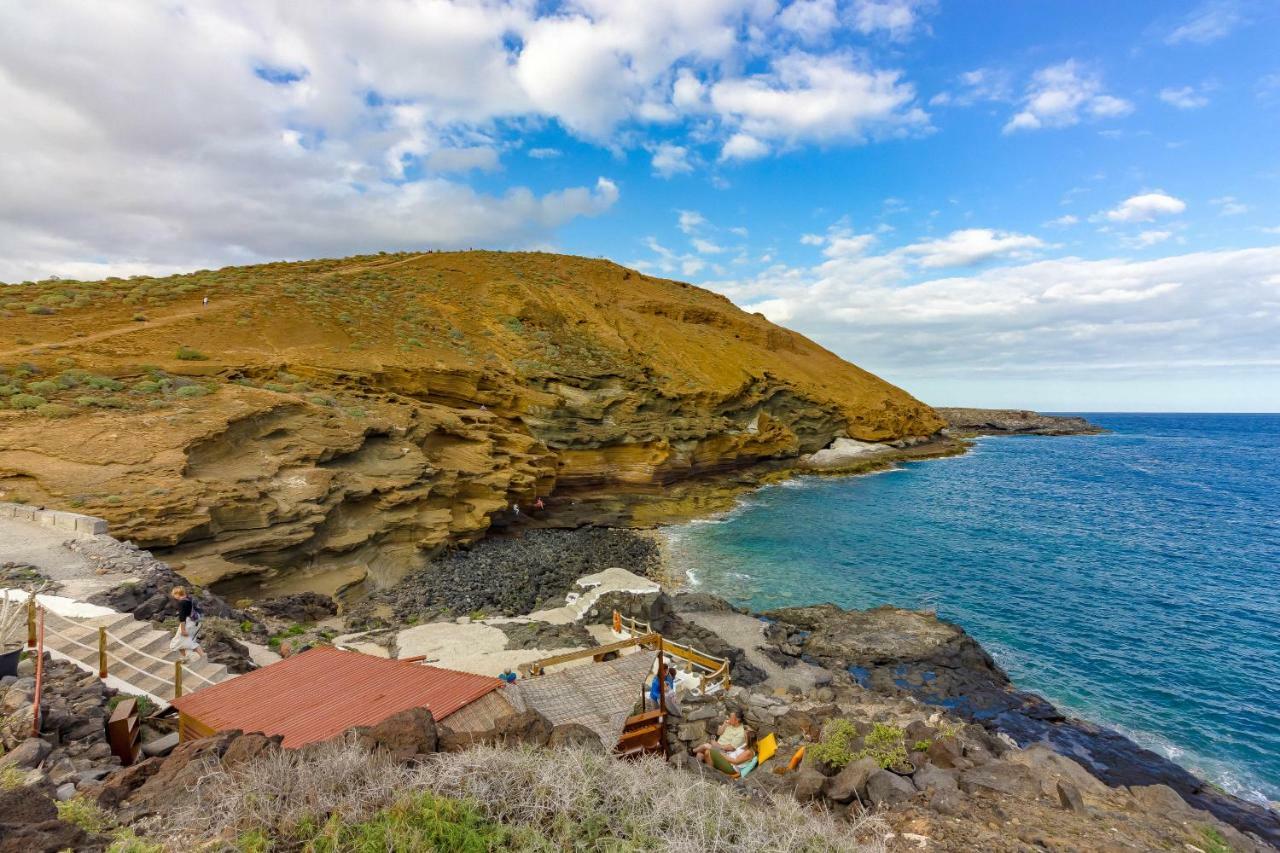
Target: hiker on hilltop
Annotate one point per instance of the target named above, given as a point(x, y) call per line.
point(184, 639)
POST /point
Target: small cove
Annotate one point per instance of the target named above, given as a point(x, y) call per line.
point(1132, 578)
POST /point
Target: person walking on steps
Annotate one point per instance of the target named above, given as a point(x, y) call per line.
point(184, 639)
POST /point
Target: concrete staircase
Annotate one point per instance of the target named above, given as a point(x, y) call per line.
point(137, 654)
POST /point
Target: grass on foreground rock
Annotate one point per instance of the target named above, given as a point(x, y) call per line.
point(338, 797)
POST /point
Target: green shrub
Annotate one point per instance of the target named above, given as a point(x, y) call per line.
point(43, 387)
point(54, 410)
point(922, 745)
point(103, 383)
point(102, 402)
point(26, 401)
point(884, 745)
point(146, 386)
point(84, 813)
point(146, 707)
point(421, 821)
point(8, 390)
point(186, 353)
point(321, 400)
point(189, 391)
point(11, 778)
point(124, 840)
point(835, 748)
point(40, 310)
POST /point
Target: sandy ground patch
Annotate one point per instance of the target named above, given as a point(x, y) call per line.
point(747, 632)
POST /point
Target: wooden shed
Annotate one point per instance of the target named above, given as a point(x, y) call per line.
point(324, 691)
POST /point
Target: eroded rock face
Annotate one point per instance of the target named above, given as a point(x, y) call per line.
point(345, 417)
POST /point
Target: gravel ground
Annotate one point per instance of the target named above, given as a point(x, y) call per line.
point(517, 575)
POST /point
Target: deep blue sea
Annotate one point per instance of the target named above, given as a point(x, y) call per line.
point(1133, 579)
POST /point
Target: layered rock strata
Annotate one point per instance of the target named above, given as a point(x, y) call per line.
point(329, 420)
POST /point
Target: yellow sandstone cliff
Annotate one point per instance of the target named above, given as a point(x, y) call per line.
point(341, 416)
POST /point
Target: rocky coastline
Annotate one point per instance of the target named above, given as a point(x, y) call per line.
point(965, 422)
point(984, 765)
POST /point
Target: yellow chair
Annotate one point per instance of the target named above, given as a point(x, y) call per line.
point(766, 747)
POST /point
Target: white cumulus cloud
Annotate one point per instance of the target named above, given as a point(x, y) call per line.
point(1059, 95)
point(1146, 207)
point(1184, 98)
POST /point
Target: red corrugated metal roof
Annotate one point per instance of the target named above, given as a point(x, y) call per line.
point(319, 693)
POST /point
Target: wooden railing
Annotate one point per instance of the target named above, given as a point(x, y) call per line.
point(713, 670)
point(537, 667)
point(36, 613)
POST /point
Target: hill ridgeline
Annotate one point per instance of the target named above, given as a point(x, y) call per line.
point(341, 416)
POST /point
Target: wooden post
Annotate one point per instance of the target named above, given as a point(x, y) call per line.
point(36, 718)
point(177, 678)
point(102, 652)
point(31, 622)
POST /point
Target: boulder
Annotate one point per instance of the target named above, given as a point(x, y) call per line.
point(851, 782)
point(50, 836)
point(948, 801)
point(808, 785)
point(694, 733)
point(931, 778)
point(1052, 768)
point(888, 788)
point(1161, 799)
point(1069, 797)
point(26, 804)
point(1001, 777)
point(65, 791)
point(27, 754)
point(181, 770)
point(249, 747)
point(119, 786)
point(527, 727)
point(161, 745)
point(300, 607)
point(947, 753)
point(574, 735)
point(405, 735)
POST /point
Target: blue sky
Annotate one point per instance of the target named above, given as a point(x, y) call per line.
point(1069, 206)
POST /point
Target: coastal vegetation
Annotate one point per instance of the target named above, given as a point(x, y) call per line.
point(339, 797)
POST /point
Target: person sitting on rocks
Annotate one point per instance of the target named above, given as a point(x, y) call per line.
point(184, 639)
point(731, 741)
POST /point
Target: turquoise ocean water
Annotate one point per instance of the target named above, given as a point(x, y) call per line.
point(1133, 579)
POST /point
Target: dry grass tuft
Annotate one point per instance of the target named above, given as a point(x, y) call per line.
point(565, 799)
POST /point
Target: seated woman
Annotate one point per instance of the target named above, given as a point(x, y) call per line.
point(731, 742)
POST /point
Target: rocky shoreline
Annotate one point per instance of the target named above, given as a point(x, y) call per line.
point(963, 422)
point(897, 654)
point(984, 765)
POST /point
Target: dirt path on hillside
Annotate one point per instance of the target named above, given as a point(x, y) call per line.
point(135, 326)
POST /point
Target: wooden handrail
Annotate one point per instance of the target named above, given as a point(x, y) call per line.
point(717, 669)
point(537, 666)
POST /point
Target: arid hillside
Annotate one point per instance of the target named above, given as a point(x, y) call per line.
point(345, 416)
